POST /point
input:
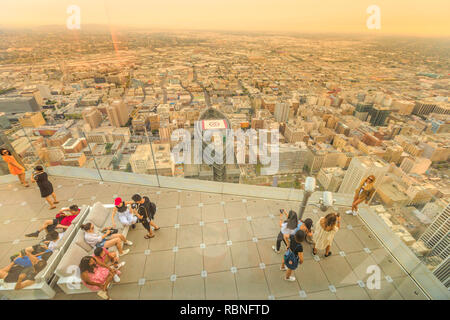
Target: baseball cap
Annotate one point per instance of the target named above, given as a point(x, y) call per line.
point(117, 201)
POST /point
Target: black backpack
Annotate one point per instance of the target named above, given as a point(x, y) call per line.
point(152, 208)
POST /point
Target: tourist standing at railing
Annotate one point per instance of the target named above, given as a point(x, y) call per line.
point(294, 254)
point(326, 229)
point(288, 225)
point(45, 186)
point(14, 167)
point(363, 193)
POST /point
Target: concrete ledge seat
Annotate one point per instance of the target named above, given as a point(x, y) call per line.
point(67, 270)
point(42, 289)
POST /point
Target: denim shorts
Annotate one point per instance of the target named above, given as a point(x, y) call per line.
point(100, 244)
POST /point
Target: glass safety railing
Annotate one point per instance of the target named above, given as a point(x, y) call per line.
point(407, 215)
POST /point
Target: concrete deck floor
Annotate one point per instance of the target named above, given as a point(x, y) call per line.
point(212, 246)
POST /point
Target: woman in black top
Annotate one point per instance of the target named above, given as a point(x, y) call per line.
point(294, 255)
point(45, 186)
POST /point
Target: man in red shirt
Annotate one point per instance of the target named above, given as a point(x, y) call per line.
point(62, 220)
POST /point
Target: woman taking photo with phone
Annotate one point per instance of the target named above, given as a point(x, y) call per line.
point(325, 231)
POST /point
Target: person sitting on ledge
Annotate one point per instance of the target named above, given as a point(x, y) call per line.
point(126, 218)
point(107, 240)
point(107, 259)
point(95, 277)
point(63, 220)
point(23, 270)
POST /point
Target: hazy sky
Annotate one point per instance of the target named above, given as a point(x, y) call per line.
point(413, 17)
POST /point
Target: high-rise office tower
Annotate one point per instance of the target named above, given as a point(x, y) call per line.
point(281, 112)
point(437, 238)
point(437, 235)
point(92, 116)
point(360, 168)
point(378, 116)
point(118, 113)
point(32, 120)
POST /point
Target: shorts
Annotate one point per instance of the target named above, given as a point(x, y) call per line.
point(100, 244)
point(52, 227)
point(127, 218)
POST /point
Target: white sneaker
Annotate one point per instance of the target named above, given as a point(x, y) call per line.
point(120, 265)
point(124, 252)
point(283, 268)
point(102, 294)
point(128, 243)
point(355, 213)
point(291, 279)
point(349, 212)
point(116, 278)
point(275, 249)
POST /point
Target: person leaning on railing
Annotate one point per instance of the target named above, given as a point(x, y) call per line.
point(14, 167)
point(363, 193)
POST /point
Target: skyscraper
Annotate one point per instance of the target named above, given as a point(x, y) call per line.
point(32, 120)
point(378, 116)
point(281, 112)
point(437, 235)
point(92, 116)
point(360, 168)
point(118, 113)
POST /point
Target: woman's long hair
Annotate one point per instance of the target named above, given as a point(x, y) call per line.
point(330, 220)
point(292, 220)
point(85, 266)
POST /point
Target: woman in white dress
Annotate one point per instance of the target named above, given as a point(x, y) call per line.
point(325, 231)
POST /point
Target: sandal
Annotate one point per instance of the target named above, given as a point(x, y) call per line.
point(54, 207)
point(327, 255)
point(56, 202)
point(156, 229)
point(148, 237)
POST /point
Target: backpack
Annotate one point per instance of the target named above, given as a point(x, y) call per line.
point(290, 259)
point(152, 208)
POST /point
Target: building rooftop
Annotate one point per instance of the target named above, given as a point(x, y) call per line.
point(237, 261)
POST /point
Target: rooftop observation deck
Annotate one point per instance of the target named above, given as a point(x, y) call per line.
point(237, 230)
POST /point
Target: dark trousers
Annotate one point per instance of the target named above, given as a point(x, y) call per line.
point(279, 239)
